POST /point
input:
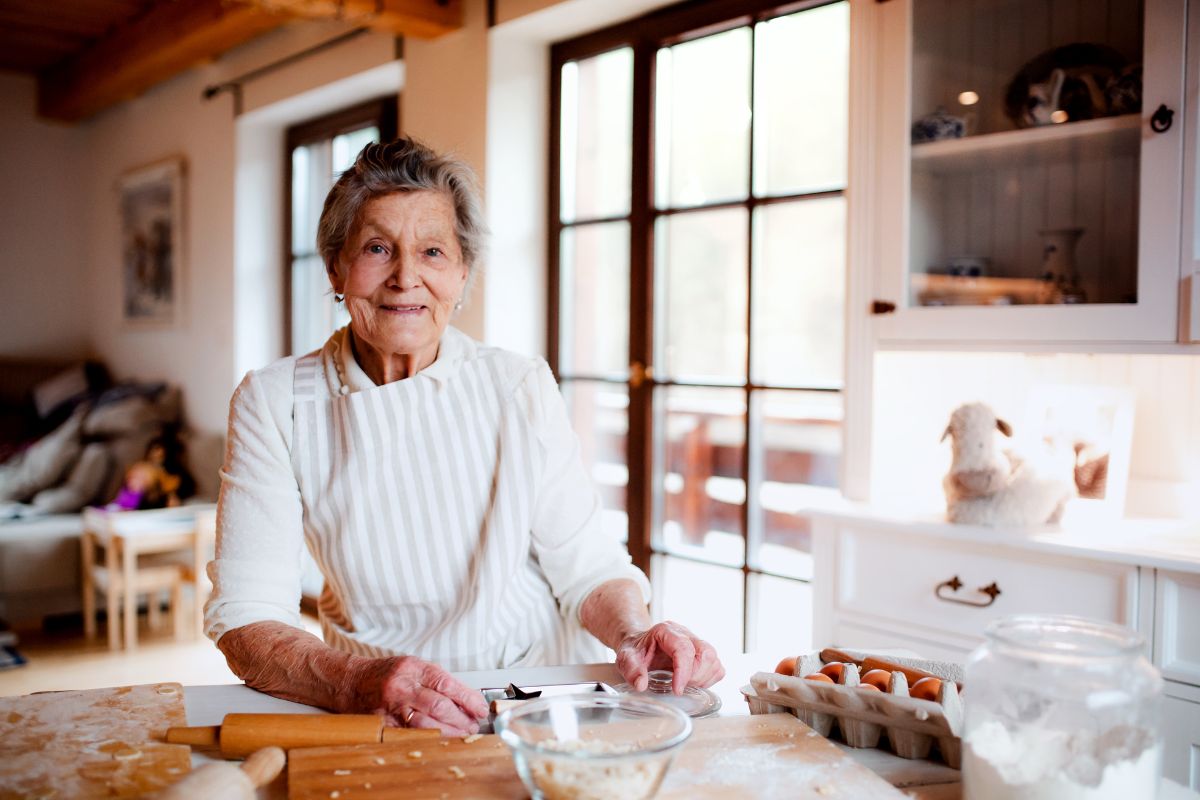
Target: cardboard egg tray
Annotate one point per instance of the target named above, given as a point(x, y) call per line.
point(862, 718)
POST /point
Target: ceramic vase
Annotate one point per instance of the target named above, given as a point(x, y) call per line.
point(1058, 261)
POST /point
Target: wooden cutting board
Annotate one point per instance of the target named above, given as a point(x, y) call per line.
point(765, 756)
point(96, 743)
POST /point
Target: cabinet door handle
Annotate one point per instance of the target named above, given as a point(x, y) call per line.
point(882, 307)
point(1161, 121)
point(954, 584)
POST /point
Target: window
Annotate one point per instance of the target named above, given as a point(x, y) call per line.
point(317, 152)
point(697, 233)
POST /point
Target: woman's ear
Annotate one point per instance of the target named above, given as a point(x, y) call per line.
point(336, 279)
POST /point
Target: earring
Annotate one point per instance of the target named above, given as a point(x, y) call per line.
point(458, 304)
point(337, 298)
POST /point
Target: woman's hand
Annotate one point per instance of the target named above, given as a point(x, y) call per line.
point(668, 645)
point(413, 693)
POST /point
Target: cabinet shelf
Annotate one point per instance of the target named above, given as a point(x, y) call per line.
point(1095, 138)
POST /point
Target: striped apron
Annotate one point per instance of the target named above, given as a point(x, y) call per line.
point(417, 505)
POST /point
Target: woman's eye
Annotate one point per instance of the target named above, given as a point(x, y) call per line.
point(376, 249)
point(433, 252)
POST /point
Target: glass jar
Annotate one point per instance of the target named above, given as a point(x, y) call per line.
point(1060, 708)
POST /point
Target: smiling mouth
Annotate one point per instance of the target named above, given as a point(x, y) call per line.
point(402, 309)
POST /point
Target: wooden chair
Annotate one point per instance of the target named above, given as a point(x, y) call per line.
point(145, 553)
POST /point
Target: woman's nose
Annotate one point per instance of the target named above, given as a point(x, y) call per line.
point(407, 273)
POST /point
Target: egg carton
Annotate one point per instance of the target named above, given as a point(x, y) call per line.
point(861, 718)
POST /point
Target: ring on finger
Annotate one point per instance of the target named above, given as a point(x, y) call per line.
point(408, 717)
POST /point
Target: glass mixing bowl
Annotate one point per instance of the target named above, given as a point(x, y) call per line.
point(593, 747)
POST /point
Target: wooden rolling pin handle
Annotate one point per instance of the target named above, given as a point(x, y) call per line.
point(832, 654)
point(226, 781)
point(199, 735)
point(500, 706)
point(263, 766)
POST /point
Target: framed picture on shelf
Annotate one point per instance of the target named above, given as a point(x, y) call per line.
point(152, 250)
point(1088, 430)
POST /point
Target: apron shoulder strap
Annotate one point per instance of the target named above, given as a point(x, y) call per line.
point(307, 375)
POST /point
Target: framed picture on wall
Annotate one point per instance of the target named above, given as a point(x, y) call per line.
point(152, 252)
point(1089, 431)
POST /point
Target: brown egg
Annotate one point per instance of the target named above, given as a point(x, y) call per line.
point(879, 678)
point(819, 678)
point(926, 689)
point(870, 687)
point(834, 670)
point(787, 666)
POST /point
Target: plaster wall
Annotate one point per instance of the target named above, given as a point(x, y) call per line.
point(43, 217)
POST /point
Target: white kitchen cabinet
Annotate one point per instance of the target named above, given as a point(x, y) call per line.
point(937, 593)
point(990, 201)
point(1177, 626)
point(1181, 734)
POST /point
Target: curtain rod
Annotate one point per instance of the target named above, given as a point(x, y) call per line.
point(234, 85)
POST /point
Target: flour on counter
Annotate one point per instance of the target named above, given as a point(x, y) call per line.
point(1036, 763)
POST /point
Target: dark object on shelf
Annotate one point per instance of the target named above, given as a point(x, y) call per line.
point(1074, 79)
point(938, 125)
point(1124, 91)
point(969, 266)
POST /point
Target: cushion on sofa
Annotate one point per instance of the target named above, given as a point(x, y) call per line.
point(44, 463)
point(83, 485)
point(66, 386)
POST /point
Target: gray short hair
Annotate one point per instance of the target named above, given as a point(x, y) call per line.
point(404, 165)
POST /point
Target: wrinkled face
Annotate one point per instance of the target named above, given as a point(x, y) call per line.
point(401, 272)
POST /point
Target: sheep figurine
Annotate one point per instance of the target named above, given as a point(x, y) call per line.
point(988, 486)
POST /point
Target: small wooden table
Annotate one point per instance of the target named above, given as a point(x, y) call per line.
point(127, 535)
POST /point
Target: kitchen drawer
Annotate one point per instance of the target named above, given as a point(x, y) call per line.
point(882, 576)
point(1181, 734)
point(1177, 626)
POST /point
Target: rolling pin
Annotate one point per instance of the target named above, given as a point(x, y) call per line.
point(868, 663)
point(241, 734)
point(227, 781)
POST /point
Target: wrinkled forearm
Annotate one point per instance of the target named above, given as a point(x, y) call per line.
point(614, 611)
point(293, 664)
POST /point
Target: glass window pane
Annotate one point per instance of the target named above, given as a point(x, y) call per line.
point(346, 147)
point(311, 180)
point(594, 300)
point(795, 458)
point(709, 600)
point(699, 452)
point(314, 314)
point(700, 295)
point(781, 614)
point(799, 292)
point(1025, 174)
point(596, 134)
point(703, 120)
point(800, 101)
point(600, 416)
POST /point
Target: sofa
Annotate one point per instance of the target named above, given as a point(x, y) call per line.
point(67, 435)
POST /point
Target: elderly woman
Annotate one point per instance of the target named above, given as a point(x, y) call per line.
point(435, 480)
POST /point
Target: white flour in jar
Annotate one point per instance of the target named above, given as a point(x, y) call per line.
point(1036, 763)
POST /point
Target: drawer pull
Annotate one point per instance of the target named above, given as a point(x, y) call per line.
point(954, 584)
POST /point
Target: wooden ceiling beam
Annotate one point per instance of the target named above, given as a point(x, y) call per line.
point(176, 35)
point(423, 19)
point(170, 38)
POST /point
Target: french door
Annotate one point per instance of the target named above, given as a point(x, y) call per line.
point(697, 237)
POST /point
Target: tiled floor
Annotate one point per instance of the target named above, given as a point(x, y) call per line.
point(68, 661)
